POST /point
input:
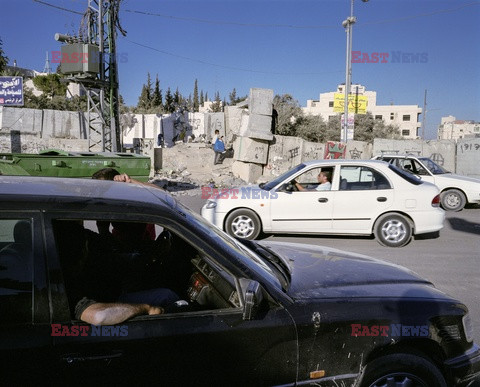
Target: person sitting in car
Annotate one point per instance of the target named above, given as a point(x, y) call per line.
point(324, 182)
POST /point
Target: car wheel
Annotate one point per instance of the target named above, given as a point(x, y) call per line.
point(393, 230)
point(243, 224)
point(453, 200)
point(399, 370)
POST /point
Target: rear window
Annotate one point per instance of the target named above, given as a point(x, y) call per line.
point(407, 176)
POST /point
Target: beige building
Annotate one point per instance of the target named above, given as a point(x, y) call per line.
point(405, 117)
point(452, 129)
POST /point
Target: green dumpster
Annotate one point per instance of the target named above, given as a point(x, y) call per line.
point(58, 163)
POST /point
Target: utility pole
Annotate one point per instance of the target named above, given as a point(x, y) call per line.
point(348, 25)
point(99, 77)
point(424, 115)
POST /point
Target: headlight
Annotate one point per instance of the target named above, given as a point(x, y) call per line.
point(211, 204)
point(468, 327)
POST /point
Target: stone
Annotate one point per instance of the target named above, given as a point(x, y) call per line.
point(248, 172)
point(250, 150)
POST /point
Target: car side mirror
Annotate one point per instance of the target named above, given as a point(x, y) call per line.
point(253, 298)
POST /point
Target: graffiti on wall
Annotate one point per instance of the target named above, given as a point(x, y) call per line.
point(335, 150)
point(470, 147)
point(355, 154)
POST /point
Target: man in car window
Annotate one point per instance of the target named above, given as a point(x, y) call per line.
point(93, 280)
point(324, 182)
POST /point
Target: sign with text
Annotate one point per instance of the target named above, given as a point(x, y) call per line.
point(11, 91)
point(356, 103)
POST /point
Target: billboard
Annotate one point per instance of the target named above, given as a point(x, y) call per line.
point(356, 103)
point(11, 91)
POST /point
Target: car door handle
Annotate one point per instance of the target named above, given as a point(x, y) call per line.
point(323, 200)
point(381, 199)
point(79, 358)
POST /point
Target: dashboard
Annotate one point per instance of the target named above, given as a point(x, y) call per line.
point(210, 286)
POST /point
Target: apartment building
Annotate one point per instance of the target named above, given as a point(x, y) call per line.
point(452, 129)
point(405, 117)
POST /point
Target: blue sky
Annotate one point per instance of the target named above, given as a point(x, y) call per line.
point(291, 46)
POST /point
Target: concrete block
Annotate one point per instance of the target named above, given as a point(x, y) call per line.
point(214, 121)
point(249, 172)
point(358, 150)
point(233, 120)
point(413, 147)
point(197, 123)
point(63, 124)
point(21, 119)
point(284, 153)
point(250, 150)
point(442, 152)
point(260, 101)
point(468, 157)
point(312, 151)
point(259, 127)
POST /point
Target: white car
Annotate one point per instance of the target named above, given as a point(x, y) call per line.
point(366, 197)
point(455, 190)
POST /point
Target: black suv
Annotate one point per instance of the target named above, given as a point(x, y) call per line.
point(247, 313)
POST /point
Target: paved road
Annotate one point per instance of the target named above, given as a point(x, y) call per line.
point(451, 261)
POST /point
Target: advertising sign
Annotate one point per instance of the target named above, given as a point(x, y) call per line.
point(356, 103)
point(11, 91)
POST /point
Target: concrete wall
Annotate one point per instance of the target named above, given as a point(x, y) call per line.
point(468, 157)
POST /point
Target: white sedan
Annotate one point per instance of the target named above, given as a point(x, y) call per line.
point(366, 197)
point(455, 190)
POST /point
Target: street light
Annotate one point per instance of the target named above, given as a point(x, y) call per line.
point(347, 24)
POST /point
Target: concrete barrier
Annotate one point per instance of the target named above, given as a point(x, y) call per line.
point(468, 157)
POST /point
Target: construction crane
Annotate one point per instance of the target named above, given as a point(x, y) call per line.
point(90, 60)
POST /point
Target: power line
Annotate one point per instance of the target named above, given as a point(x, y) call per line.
point(57, 7)
point(223, 22)
point(223, 66)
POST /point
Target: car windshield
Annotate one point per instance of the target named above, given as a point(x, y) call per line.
point(217, 233)
point(273, 183)
point(406, 175)
point(433, 166)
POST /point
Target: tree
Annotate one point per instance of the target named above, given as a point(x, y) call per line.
point(157, 99)
point(202, 99)
point(50, 85)
point(195, 96)
point(234, 99)
point(367, 128)
point(177, 98)
point(217, 103)
point(145, 99)
point(169, 103)
point(311, 128)
point(3, 58)
point(289, 111)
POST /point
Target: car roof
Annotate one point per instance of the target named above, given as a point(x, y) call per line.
point(28, 189)
point(400, 156)
point(345, 162)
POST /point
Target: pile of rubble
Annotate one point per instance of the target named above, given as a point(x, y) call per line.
point(189, 166)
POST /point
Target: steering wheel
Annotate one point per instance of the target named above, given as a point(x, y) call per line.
point(293, 184)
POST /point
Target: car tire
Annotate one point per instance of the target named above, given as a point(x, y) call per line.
point(243, 224)
point(393, 230)
point(401, 369)
point(453, 200)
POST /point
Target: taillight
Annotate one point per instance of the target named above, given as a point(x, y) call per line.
point(436, 201)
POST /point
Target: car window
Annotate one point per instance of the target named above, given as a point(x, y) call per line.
point(273, 183)
point(362, 178)
point(111, 261)
point(16, 263)
point(309, 179)
point(412, 179)
point(433, 166)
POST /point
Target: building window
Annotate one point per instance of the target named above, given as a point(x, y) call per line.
point(340, 89)
point(379, 117)
point(406, 117)
point(392, 116)
point(330, 104)
point(405, 132)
